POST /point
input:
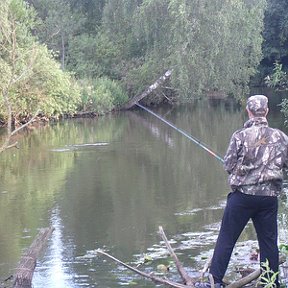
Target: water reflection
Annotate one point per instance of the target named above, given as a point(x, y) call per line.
point(54, 271)
point(78, 147)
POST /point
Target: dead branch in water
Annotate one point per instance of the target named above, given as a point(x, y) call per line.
point(188, 281)
point(6, 145)
point(148, 91)
point(186, 278)
point(146, 275)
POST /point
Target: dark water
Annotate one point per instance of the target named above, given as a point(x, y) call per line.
point(109, 183)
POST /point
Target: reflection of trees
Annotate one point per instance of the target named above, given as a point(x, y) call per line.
point(32, 177)
point(142, 182)
point(154, 128)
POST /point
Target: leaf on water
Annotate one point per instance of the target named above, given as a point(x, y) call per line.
point(162, 268)
point(147, 258)
point(283, 248)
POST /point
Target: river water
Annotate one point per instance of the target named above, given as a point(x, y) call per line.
point(109, 183)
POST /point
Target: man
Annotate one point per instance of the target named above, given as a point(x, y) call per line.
point(254, 161)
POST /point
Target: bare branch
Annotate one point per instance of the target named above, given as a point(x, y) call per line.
point(13, 145)
point(26, 124)
point(166, 97)
point(54, 34)
point(245, 280)
point(149, 276)
point(205, 268)
point(186, 278)
point(10, 133)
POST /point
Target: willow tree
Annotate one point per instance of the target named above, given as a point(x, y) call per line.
point(58, 24)
point(211, 45)
point(111, 47)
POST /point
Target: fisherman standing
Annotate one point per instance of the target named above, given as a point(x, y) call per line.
point(254, 161)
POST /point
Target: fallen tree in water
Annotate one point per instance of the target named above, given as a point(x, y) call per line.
point(25, 270)
point(188, 282)
point(147, 91)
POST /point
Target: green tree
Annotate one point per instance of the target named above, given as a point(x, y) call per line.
point(275, 46)
point(30, 79)
point(91, 12)
point(211, 45)
point(65, 24)
point(92, 56)
point(58, 25)
point(274, 66)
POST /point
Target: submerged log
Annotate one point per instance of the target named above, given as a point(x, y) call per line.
point(27, 264)
point(133, 101)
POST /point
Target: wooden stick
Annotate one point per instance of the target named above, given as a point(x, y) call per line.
point(146, 275)
point(205, 268)
point(186, 278)
point(26, 124)
point(10, 133)
point(27, 264)
point(245, 280)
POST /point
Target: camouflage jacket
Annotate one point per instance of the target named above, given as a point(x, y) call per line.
point(256, 157)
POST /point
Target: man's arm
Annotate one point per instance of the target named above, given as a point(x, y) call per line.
point(231, 156)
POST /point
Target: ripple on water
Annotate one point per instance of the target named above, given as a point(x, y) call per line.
point(73, 147)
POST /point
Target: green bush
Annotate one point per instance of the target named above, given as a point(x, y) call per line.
point(279, 78)
point(30, 78)
point(93, 56)
point(101, 95)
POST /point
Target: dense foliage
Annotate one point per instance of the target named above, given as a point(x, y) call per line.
point(212, 47)
point(101, 95)
point(274, 65)
point(136, 41)
point(30, 77)
point(275, 46)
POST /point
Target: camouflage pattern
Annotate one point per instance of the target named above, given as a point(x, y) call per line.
point(256, 157)
point(258, 105)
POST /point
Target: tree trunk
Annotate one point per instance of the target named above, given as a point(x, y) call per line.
point(149, 90)
point(63, 52)
point(27, 264)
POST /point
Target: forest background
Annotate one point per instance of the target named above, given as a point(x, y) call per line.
point(61, 57)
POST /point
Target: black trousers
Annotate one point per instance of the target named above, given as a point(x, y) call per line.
point(240, 208)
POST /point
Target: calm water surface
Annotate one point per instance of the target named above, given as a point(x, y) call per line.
point(109, 183)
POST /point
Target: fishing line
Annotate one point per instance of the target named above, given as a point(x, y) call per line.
point(195, 140)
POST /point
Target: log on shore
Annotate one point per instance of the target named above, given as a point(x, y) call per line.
point(149, 90)
point(24, 271)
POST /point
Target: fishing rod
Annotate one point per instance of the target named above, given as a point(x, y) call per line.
point(195, 140)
